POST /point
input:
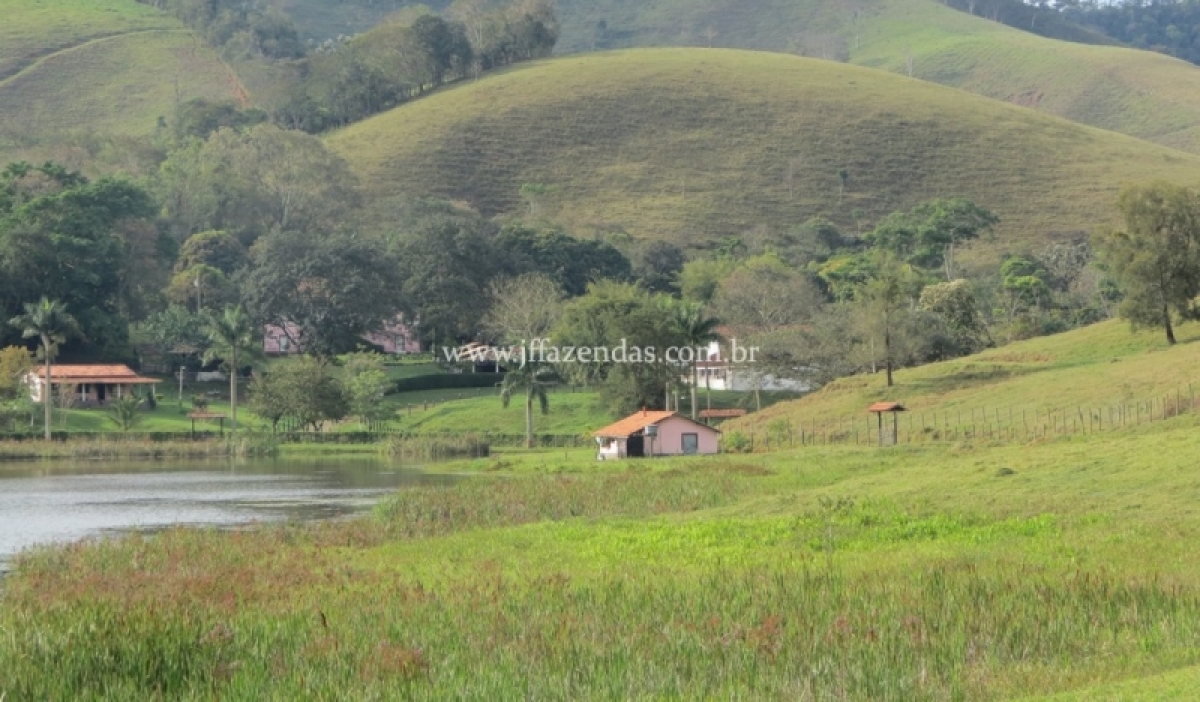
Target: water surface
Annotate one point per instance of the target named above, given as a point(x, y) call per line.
point(60, 501)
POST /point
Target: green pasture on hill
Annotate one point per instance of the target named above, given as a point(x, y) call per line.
point(1096, 369)
point(78, 68)
point(691, 144)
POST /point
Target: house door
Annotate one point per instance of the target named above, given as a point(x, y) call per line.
point(100, 392)
point(635, 447)
point(691, 444)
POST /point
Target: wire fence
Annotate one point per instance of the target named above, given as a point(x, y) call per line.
point(1000, 423)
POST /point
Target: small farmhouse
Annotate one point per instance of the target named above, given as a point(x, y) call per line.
point(92, 385)
point(655, 434)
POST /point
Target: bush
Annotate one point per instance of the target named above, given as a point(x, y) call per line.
point(448, 381)
point(735, 442)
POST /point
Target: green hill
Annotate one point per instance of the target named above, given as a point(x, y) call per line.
point(104, 67)
point(1088, 374)
point(1139, 93)
point(693, 144)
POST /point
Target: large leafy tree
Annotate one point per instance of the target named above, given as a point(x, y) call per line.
point(235, 339)
point(444, 262)
point(333, 288)
point(1156, 256)
point(927, 235)
point(49, 322)
point(90, 245)
point(635, 328)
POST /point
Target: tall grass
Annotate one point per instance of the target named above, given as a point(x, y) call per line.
point(116, 447)
point(431, 448)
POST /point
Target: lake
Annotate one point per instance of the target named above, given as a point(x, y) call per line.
point(61, 501)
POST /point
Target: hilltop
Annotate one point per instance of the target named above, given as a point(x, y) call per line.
point(111, 68)
point(692, 144)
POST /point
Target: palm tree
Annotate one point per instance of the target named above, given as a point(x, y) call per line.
point(50, 322)
point(236, 340)
point(696, 330)
point(527, 378)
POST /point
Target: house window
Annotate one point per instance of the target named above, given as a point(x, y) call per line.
point(691, 444)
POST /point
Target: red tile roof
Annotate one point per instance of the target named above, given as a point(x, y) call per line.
point(887, 407)
point(721, 413)
point(633, 424)
point(639, 421)
point(106, 373)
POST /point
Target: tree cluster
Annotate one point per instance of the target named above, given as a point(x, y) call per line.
point(398, 61)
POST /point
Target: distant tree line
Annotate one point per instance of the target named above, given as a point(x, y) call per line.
point(239, 29)
point(1166, 26)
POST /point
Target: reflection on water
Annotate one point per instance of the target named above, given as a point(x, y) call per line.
point(55, 501)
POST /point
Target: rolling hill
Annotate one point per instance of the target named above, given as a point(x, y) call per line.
point(111, 68)
point(1091, 371)
point(693, 144)
point(1139, 93)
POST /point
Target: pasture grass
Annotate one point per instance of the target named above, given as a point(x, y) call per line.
point(692, 144)
point(824, 573)
point(1091, 372)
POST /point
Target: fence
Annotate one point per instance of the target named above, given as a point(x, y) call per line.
point(1005, 423)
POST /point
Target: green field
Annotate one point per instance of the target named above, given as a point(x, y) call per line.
point(939, 576)
point(692, 144)
point(1058, 569)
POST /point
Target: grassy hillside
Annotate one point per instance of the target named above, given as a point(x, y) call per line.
point(692, 144)
point(1091, 371)
point(1140, 93)
point(36, 28)
point(88, 66)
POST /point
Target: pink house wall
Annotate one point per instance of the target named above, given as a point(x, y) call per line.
point(394, 338)
point(669, 441)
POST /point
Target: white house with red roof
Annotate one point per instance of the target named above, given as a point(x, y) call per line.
point(92, 385)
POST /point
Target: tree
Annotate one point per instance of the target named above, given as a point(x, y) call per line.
point(764, 294)
point(700, 278)
point(954, 303)
point(571, 262)
point(234, 339)
point(334, 288)
point(69, 239)
point(529, 379)
point(927, 235)
point(15, 366)
point(50, 323)
point(524, 308)
point(658, 264)
point(124, 412)
point(885, 299)
point(697, 330)
point(365, 384)
point(1156, 257)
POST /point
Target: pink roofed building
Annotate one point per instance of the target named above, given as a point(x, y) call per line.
point(395, 338)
